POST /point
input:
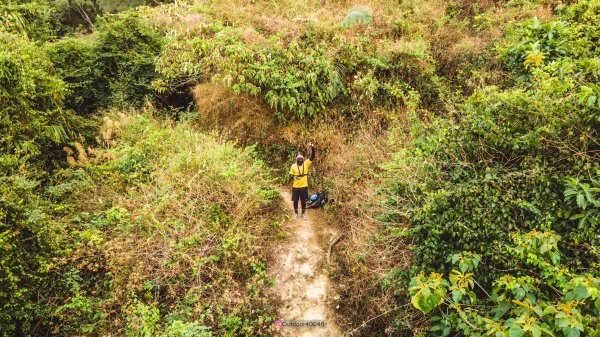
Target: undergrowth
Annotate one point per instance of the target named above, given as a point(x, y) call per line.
point(159, 231)
point(458, 141)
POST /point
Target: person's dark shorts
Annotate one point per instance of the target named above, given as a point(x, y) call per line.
point(301, 193)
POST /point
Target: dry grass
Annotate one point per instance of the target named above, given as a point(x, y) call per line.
point(190, 222)
point(349, 156)
point(362, 262)
point(243, 118)
point(459, 42)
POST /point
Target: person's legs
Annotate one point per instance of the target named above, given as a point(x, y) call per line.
point(295, 195)
point(296, 206)
point(303, 198)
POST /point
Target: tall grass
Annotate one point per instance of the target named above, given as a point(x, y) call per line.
point(180, 221)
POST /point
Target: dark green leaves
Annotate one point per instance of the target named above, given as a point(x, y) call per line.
point(580, 292)
point(31, 118)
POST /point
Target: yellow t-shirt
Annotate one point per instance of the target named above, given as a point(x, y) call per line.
point(301, 171)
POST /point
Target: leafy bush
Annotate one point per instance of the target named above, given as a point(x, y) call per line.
point(123, 59)
point(517, 306)
point(298, 79)
point(513, 172)
point(29, 18)
point(506, 178)
point(116, 68)
point(302, 77)
point(25, 251)
point(33, 119)
point(33, 126)
point(542, 44)
point(356, 17)
point(73, 63)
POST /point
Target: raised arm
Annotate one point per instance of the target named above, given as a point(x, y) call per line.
point(312, 152)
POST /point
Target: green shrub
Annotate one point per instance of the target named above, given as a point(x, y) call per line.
point(73, 63)
point(25, 250)
point(499, 174)
point(116, 68)
point(548, 44)
point(357, 17)
point(302, 77)
point(180, 329)
point(123, 58)
point(29, 18)
point(511, 173)
point(299, 79)
point(33, 120)
point(517, 306)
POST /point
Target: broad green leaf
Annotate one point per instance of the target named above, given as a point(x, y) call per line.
point(580, 292)
point(581, 201)
point(536, 331)
point(456, 295)
point(571, 332)
point(425, 300)
point(555, 257)
point(515, 331)
point(549, 310)
point(592, 100)
point(561, 322)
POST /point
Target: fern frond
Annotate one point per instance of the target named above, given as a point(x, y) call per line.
point(56, 133)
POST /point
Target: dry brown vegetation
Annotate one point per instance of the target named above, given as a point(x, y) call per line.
point(243, 118)
point(347, 165)
point(188, 235)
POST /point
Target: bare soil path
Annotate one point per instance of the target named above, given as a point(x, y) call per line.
point(301, 283)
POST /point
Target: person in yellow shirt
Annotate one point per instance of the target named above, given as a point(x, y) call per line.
point(299, 174)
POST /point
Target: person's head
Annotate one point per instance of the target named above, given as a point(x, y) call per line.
point(299, 157)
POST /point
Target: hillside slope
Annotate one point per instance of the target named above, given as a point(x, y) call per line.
point(142, 152)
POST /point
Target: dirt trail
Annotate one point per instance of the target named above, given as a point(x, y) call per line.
point(301, 283)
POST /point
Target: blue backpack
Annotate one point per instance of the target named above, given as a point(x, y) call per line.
point(317, 200)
